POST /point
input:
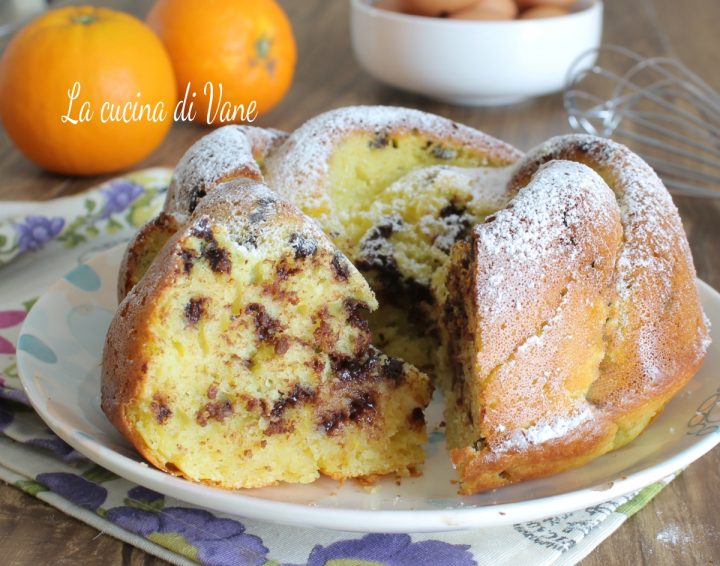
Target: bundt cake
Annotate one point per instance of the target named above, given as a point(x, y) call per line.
point(552, 297)
point(242, 358)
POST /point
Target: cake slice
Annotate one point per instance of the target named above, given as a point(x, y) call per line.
point(242, 358)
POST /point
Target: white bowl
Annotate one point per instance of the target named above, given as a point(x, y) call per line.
point(473, 62)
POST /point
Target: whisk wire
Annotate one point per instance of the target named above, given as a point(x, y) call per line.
point(656, 105)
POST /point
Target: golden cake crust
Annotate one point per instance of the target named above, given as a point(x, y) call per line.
point(627, 355)
point(657, 335)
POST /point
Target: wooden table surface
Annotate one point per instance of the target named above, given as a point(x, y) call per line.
point(681, 525)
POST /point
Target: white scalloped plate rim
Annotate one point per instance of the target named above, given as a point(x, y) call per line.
point(69, 407)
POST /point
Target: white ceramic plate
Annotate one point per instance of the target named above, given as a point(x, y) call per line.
point(59, 353)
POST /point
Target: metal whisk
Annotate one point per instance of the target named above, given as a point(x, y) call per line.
point(656, 106)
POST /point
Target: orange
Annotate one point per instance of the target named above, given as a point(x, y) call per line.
point(116, 60)
point(246, 46)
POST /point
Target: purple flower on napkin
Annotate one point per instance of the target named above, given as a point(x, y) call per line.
point(218, 541)
point(118, 196)
point(36, 231)
point(74, 488)
point(14, 395)
point(144, 495)
point(58, 446)
point(393, 550)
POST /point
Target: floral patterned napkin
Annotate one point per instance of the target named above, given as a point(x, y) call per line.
point(39, 242)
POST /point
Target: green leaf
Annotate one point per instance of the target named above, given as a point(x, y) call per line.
point(99, 475)
point(3, 240)
point(72, 239)
point(27, 305)
point(92, 231)
point(176, 543)
point(152, 506)
point(11, 370)
point(75, 224)
point(30, 486)
point(113, 226)
point(89, 205)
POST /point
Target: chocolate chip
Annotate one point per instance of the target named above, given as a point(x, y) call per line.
point(218, 258)
point(360, 409)
point(217, 411)
point(298, 395)
point(340, 267)
point(304, 247)
point(385, 229)
point(284, 271)
point(348, 368)
point(417, 416)
point(265, 326)
point(196, 195)
point(159, 408)
point(282, 345)
point(393, 369)
point(380, 140)
point(188, 258)
point(195, 309)
point(354, 317)
point(202, 230)
point(451, 209)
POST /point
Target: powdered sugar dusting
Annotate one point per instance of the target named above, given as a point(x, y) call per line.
point(298, 170)
point(545, 431)
point(529, 251)
point(655, 295)
point(673, 535)
point(227, 152)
